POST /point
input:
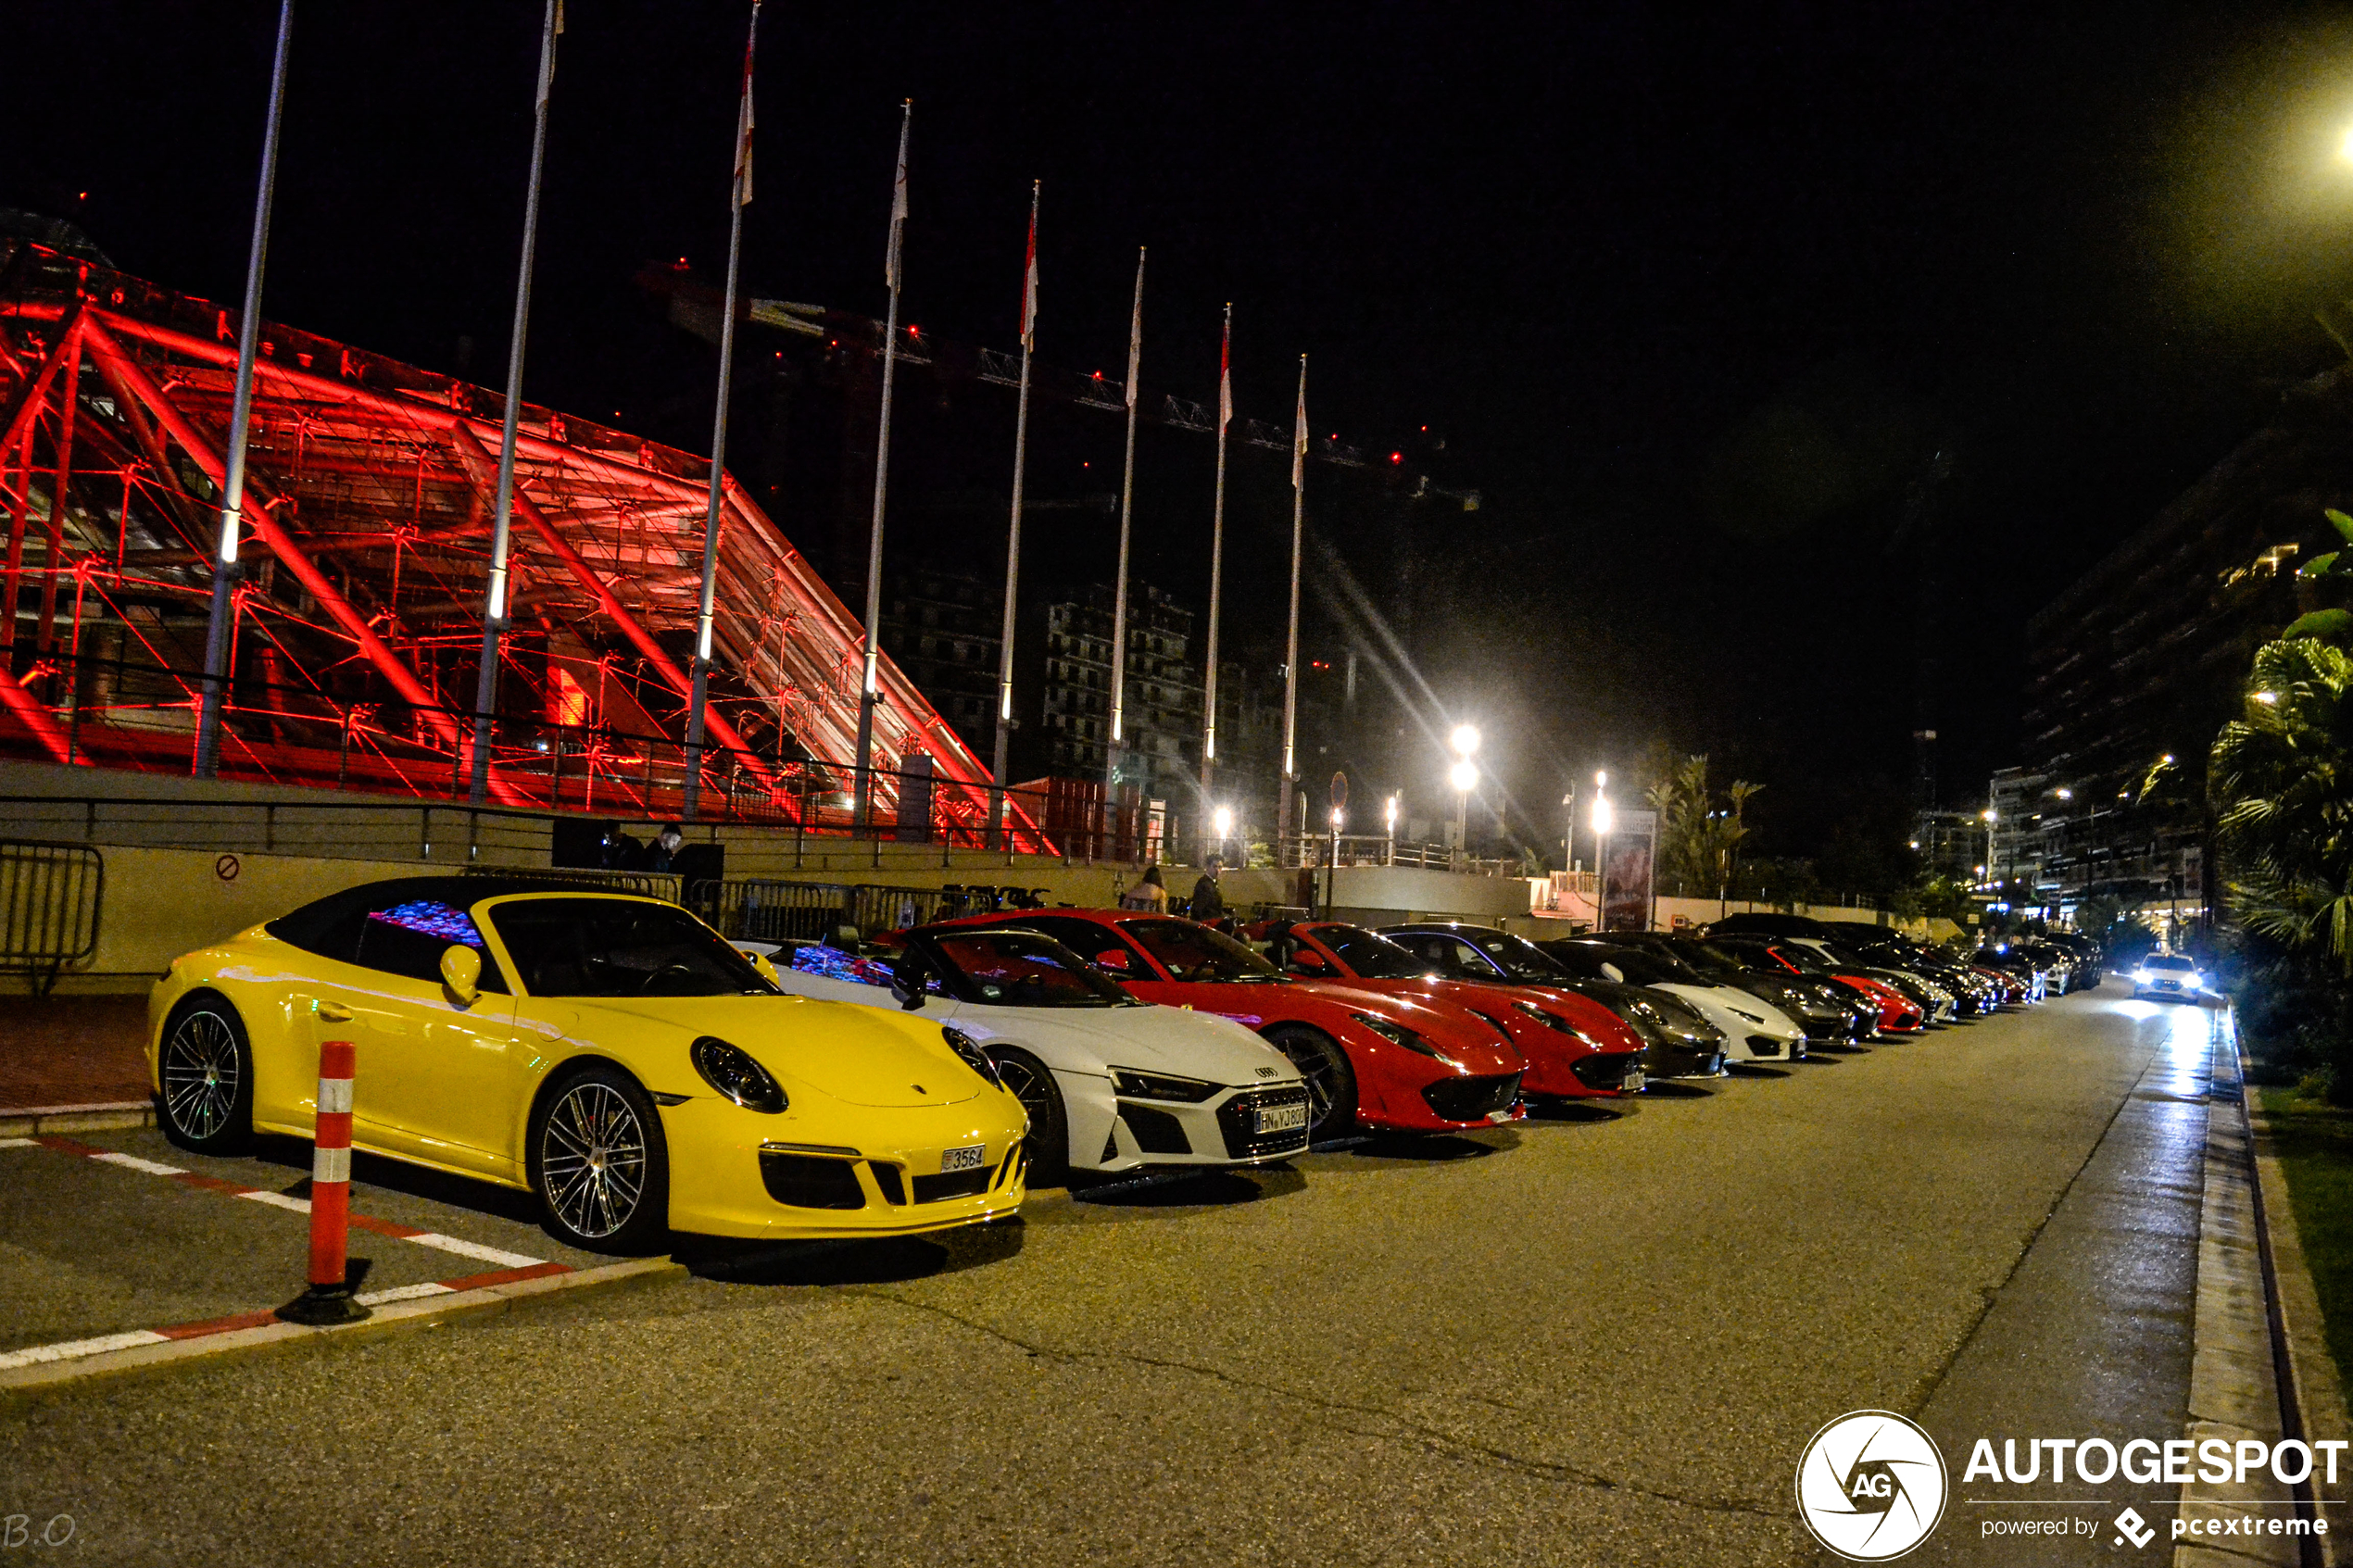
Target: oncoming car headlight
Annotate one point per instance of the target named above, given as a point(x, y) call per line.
point(1398, 1034)
point(731, 1071)
point(1549, 1020)
point(969, 1050)
point(1160, 1085)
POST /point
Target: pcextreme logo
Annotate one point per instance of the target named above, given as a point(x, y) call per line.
point(1871, 1485)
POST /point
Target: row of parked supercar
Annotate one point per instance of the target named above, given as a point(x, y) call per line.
point(640, 1075)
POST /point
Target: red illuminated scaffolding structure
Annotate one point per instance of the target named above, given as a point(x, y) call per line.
point(357, 624)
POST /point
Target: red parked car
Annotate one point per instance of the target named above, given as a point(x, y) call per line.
point(1396, 1062)
point(1898, 1014)
point(1575, 1047)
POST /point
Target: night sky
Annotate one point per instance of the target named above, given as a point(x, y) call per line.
point(1799, 355)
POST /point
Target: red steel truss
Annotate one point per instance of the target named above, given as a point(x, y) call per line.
point(369, 486)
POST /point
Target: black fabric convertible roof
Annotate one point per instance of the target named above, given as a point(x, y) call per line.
point(317, 927)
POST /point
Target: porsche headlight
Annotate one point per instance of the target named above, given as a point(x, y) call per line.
point(1753, 1018)
point(1398, 1034)
point(1549, 1020)
point(970, 1051)
point(731, 1071)
point(1160, 1085)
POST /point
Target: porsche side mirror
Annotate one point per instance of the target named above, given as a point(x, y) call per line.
point(767, 969)
point(461, 972)
point(907, 984)
point(1115, 962)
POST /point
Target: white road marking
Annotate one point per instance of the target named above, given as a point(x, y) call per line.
point(133, 1163)
point(278, 1201)
point(400, 1293)
point(17, 1143)
point(75, 1348)
point(475, 1250)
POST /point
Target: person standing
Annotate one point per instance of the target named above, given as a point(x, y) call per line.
point(1151, 894)
point(664, 850)
point(1208, 899)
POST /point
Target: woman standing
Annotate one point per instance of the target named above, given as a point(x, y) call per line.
point(1151, 894)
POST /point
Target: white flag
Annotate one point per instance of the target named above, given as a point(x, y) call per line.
point(1136, 332)
point(1029, 275)
point(1299, 431)
point(1226, 373)
point(898, 199)
point(743, 117)
point(547, 57)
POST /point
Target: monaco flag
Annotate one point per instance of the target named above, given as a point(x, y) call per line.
point(743, 117)
point(1136, 332)
point(1029, 274)
point(898, 199)
point(1226, 372)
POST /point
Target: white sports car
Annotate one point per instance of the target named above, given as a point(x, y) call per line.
point(1755, 1030)
point(1110, 1083)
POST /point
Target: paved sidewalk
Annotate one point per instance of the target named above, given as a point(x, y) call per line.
point(72, 1050)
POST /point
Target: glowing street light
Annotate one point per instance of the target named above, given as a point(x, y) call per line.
point(1464, 776)
point(2267, 698)
point(1223, 820)
point(1604, 817)
point(1465, 740)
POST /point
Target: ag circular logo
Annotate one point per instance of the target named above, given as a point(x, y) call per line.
point(1871, 1485)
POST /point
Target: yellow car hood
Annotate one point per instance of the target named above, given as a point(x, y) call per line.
point(856, 1055)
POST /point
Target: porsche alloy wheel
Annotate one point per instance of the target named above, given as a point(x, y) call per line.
point(1048, 1143)
point(599, 1165)
point(204, 1067)
point(1331, 1082)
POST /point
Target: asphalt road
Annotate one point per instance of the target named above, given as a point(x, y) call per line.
point(1589, 1339)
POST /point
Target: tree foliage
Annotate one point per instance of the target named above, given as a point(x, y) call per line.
point(1699, 831)
point(2281, 776)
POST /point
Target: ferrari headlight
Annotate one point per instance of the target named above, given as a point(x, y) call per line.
point(1398, 1034)
point(1753, 1018)
point(731, 1071)
point(1549, 1020)
point(969, 1051)
point(1160, 1085)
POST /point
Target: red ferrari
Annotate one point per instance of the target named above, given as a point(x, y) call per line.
point(1395, 1062)
point(1575, 1047)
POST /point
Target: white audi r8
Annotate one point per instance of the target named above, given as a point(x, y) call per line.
point(1110, 1083)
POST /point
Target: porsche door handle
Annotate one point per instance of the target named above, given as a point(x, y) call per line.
point(330, 1013)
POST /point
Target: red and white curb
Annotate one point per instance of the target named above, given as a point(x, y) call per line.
point(514, 1267)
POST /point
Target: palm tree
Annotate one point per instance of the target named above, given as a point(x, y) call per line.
point(2282, 778)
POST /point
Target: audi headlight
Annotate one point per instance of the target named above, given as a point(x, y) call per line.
point(731, 1071)
point(1398, 1034)
point(1160, 1085)
point(969, 1051)
point(1549, 1020)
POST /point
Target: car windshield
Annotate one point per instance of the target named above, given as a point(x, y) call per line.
point(1646, 966)
point(1371, 956)
point(2175, 962)
point(620, 947)
point(1021, 968)
point(1518, 957)
point(1195, 952)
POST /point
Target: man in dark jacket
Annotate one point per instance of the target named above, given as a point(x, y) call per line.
point(1209, 903)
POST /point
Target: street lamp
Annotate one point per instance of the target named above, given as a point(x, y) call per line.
point(1388, 822)
point(1331, 862)
point(1224, 819)
point(1464, 776)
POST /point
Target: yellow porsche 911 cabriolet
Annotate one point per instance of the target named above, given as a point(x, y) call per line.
point(611, 1054)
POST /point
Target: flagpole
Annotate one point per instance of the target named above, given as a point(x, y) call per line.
point(699, 689)
point(1119, 591)
point(225, 572)
point(494, 604)
point(1012, 538)
point(868, 693)
point(1291, 648)
point(1217, 566)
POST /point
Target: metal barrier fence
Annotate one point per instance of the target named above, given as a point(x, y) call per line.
point(762, 909)
point(50, 900)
